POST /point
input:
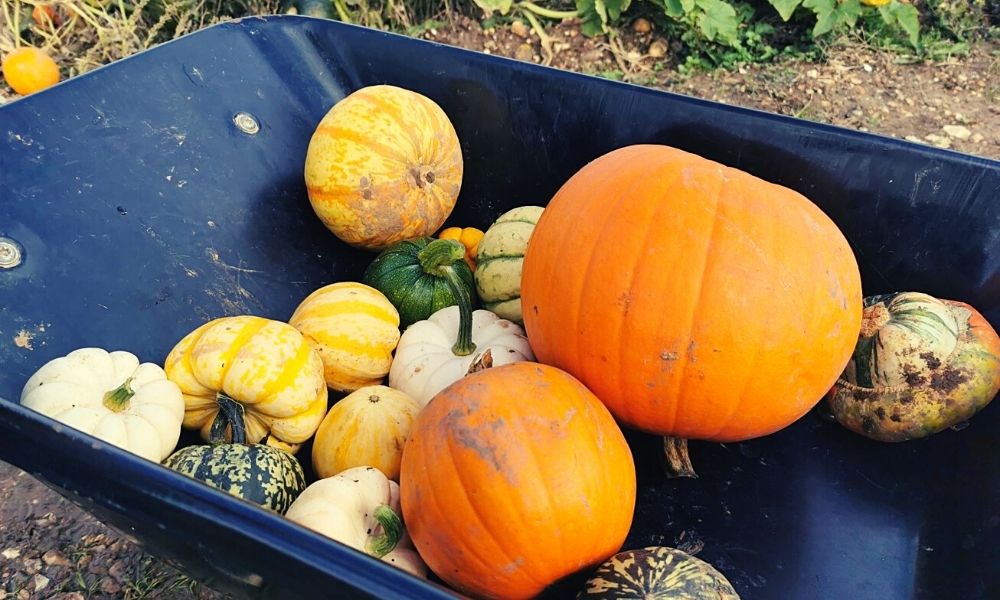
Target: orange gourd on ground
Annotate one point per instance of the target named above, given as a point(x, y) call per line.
point(28, 70)
point(695, 300)
point(514, 477)
point(384, 165)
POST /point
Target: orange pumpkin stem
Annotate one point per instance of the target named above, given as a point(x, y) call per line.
point(678, 461)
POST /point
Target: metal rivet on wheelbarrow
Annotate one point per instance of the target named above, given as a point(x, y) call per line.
point(246, 123)
point(10, 253)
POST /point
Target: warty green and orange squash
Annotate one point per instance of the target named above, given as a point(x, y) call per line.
point(267, 367)
point(354, 328)
point(383, 165)
point(921, 365)
point(514, 477)
point(695, 300)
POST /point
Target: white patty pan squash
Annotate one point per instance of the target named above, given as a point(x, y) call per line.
point(359, 507)
point(428, 358)
point(111, 396)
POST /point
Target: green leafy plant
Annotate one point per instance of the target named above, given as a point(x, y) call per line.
point(839, 15)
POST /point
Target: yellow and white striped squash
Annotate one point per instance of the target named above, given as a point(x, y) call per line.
point(499, 259)
point(383, 165)
point(355, 328)
point(266, 366)
point(366, 428)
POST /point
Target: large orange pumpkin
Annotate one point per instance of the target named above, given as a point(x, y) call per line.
point(514, 477)
point(695, 300)
point(384, 165)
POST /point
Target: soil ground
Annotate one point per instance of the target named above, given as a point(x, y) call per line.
point(51, 549)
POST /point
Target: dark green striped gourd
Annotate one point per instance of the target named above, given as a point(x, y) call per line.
point(657, 572)
point(499, 259)
point(258, 473)
point(414, 276)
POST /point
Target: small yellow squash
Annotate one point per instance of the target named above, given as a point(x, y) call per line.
point(366, 428)
point(354, 328)
point(266, 366)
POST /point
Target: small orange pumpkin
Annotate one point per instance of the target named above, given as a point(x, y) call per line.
point(468, 237)
point(696, 300)
point(384, 165)
point(514, 477)
point(28, 70)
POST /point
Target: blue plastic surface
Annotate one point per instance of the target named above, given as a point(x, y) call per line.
point(143, 212)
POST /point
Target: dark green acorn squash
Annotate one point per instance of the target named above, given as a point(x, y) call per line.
point(258, 473)
point(417, 276)
point(657, 572)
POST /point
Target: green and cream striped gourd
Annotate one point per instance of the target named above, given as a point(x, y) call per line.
point(499, 259)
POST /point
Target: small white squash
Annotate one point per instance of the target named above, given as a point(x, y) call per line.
point(111, 396)
point(428, 359)
point(359, 507)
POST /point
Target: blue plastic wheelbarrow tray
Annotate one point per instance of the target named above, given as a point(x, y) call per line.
point(118, 184)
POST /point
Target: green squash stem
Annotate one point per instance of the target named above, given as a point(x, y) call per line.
point(392, 531)
point(230, 415)
point(437, 259)
point(117, 400)
point(678, 462)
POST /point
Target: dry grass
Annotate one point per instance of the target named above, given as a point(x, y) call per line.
point(91, 33)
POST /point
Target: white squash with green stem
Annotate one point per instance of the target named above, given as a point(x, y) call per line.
point(438, 351)
point(359, 507)
point(111, 396)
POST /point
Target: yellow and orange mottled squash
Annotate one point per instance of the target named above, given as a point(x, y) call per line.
point(384, 165)
point(266, 366)
point(355, 328)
